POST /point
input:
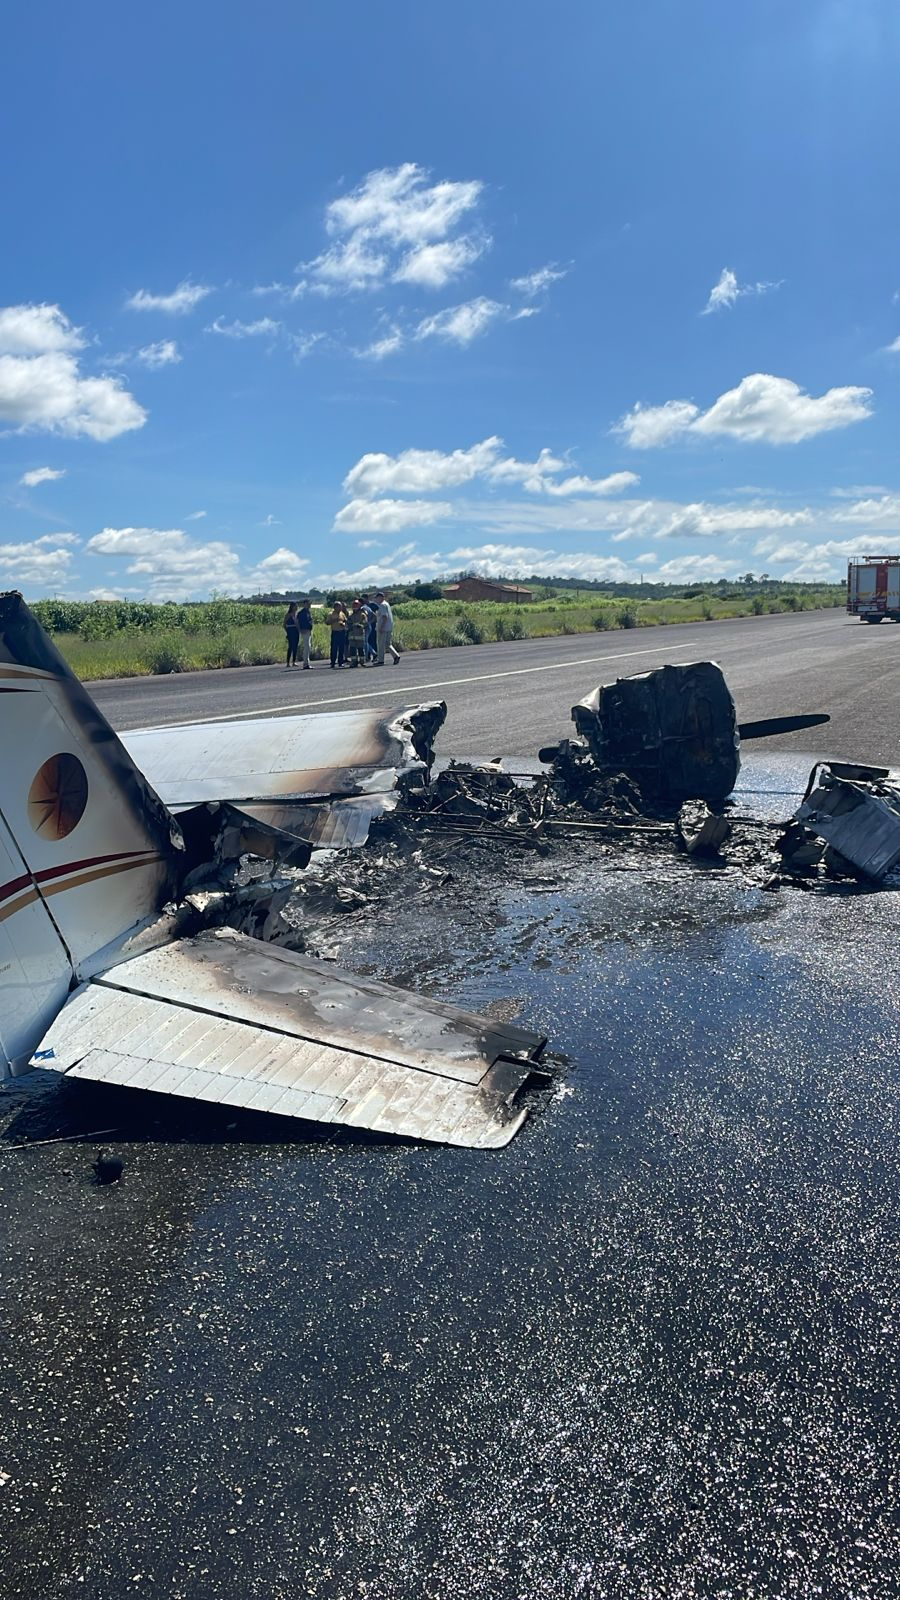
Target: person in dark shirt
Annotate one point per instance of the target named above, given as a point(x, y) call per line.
point(292, 632)
point(305, 621)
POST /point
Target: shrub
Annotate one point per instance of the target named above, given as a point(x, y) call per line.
point(516, 629)
point(758, 605)
point(469, 627)
point(707, 611)
point(231, 652)
point(167, 655)
point(627, 617)
point(602, 621)
point(499, 628)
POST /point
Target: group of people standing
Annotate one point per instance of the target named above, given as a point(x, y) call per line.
point(361, 634)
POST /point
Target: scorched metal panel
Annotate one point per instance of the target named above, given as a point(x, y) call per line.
point(274, 758)
point(226, 1019)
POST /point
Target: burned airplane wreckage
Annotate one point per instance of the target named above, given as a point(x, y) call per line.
point(119, 888)
point(144, 877)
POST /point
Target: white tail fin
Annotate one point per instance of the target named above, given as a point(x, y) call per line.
point(87, 849)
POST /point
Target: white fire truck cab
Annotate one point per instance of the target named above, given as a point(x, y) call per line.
point(873, 588)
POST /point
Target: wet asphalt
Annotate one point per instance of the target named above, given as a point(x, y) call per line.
point(650, 1350)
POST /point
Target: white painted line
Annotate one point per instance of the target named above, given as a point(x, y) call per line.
point(415, 688)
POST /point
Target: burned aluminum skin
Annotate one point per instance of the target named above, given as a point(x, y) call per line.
point(857, 813)
point(283, 758)
point(673, 730)
point(227, 1019)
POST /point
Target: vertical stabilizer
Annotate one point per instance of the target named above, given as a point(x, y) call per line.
point(89, 851)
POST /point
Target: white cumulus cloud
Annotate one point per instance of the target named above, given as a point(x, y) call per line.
point(396, 225)
point(283, 569)
point(700, 520)
point(420, 471)
point(37, 564)
point(32, 330)
point(389, 516)
point(432, 266)
point(614, 484)
point(645, 427)
point(512, 471)
point(47, 393)
point(761, 409)
point(520, 561)
point(826, 559)
point(423, 471)
point(172, 563)
point(182, 299)
point(41, 384)
point(882, 511)
point(41, 475)
point(402, 565)
point(399, 204)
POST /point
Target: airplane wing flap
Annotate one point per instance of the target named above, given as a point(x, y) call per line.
point(225, 974)
point(113, 1031)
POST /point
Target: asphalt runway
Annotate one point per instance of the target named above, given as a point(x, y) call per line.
point(647, 1352)
point(510, 699)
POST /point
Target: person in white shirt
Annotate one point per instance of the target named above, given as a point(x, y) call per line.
point(384, 628)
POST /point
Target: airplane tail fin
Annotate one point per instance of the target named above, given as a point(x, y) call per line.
point(87, 849)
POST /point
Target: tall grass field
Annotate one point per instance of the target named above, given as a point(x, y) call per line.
point(122, 639)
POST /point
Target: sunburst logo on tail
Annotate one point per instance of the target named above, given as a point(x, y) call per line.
point(58, 796)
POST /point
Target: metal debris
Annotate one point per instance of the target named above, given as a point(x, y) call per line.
point(856, 811)
point(702, 832)
point(673, 731)
point(341, 824)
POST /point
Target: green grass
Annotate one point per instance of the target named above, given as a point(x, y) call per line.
point(120, 641)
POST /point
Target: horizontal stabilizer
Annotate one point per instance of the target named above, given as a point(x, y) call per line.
point(226, 1019)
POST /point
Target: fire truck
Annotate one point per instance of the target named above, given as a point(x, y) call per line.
point(873, 588)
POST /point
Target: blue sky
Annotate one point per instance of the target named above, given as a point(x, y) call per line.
point(362, 293)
